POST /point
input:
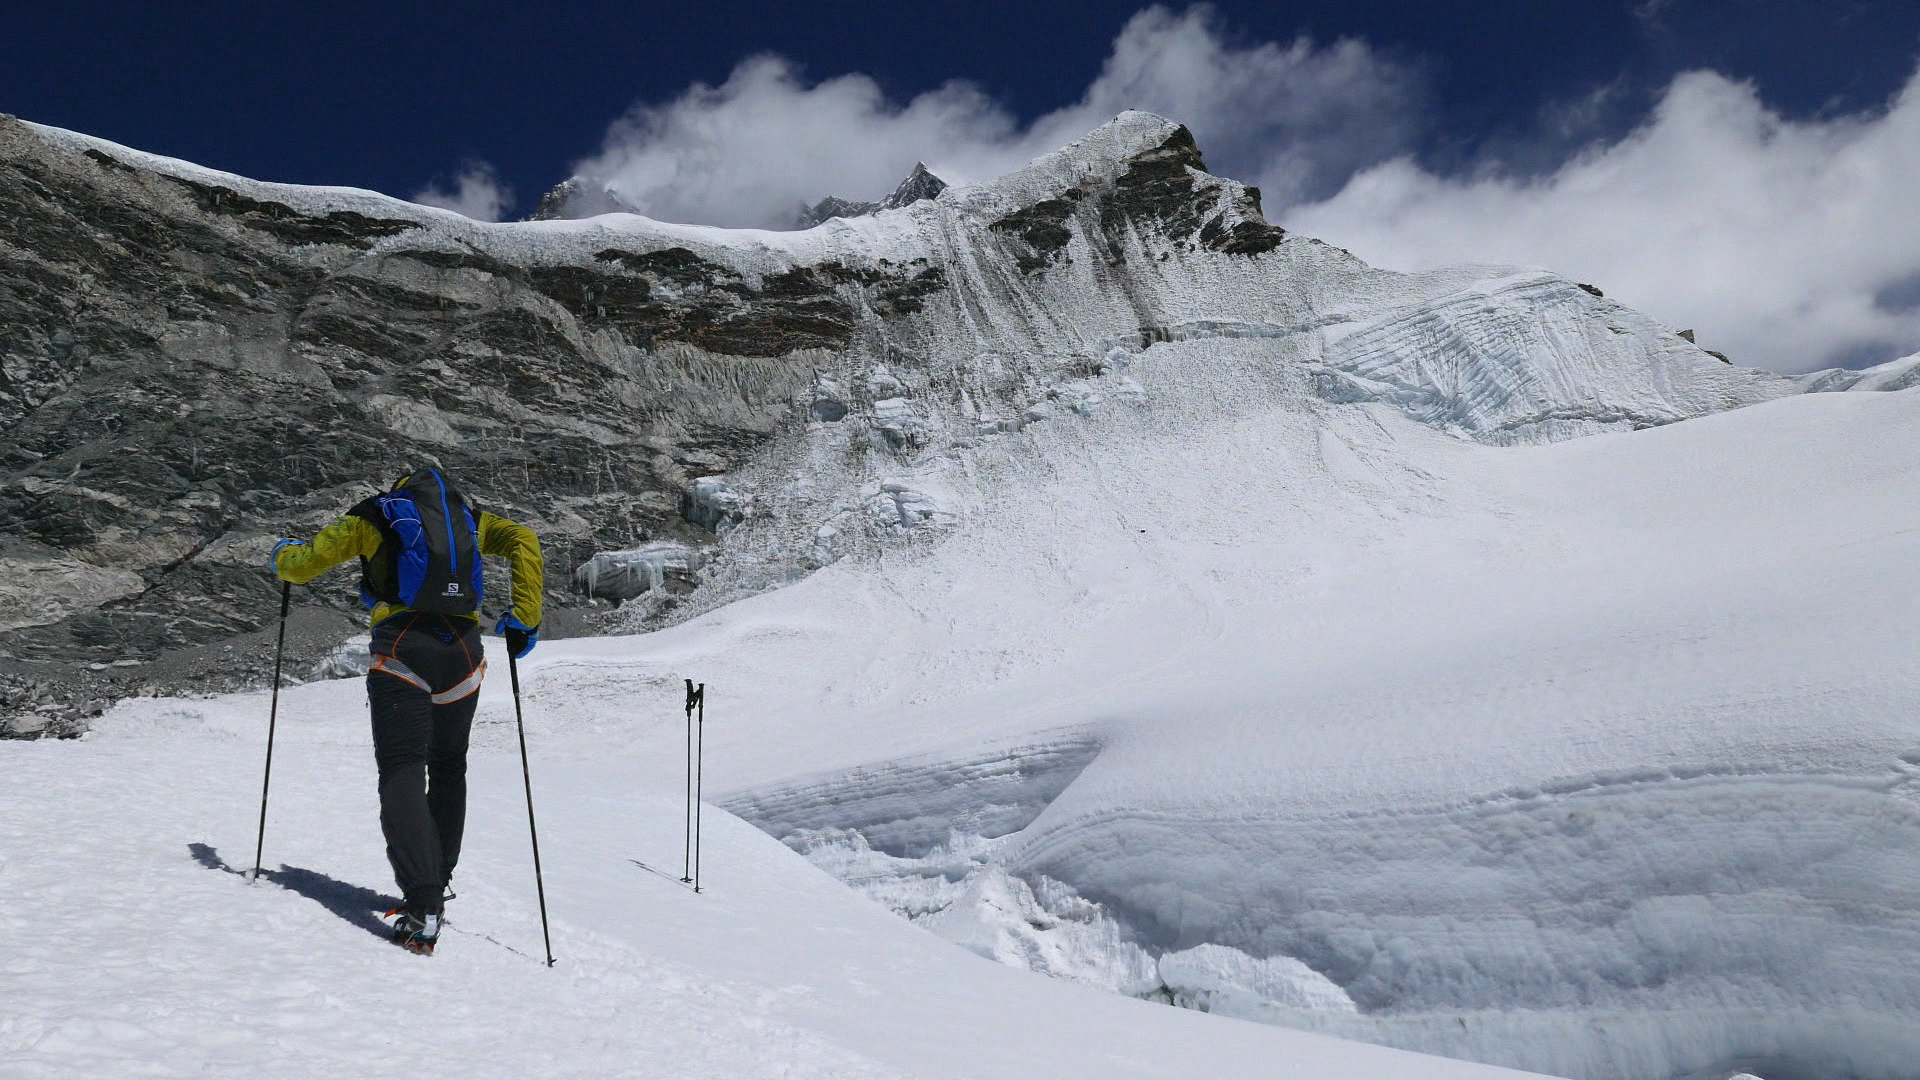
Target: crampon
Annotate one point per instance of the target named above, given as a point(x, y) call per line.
point(414, 931)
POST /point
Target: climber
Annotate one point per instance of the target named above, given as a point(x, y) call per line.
point(420, 576)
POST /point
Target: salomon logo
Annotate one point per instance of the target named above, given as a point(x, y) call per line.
point(453, 589)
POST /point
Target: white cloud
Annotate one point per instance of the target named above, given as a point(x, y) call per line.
point(477, 193)
point(1299, 118)
point(1788, 245)
point(750, 151)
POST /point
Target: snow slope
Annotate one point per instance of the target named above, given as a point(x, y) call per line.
point(131, 946)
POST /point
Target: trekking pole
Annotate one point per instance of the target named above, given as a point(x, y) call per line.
point(686, 801)
point(273, 720)
point(513, 672)
point(699, 772)
point(696, 699)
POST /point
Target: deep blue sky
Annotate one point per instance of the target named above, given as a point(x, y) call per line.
point(390, 96)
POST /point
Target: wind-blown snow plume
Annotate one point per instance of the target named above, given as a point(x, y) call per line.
point(1790, 245)
point(477, 193)
point(1302, 116)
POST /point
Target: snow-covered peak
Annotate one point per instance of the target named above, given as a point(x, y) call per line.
point(1104, 153)
point(919, 184)
point(579, 197)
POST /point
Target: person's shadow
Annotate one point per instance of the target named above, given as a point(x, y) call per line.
point(357, 905)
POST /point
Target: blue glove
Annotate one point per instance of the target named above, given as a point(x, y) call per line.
point(521, 638)
point(273, 560)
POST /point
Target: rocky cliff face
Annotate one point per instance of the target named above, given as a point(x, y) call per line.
point(192, 363)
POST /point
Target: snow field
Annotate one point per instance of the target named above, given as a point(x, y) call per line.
point(134, 958)
point(132, 947)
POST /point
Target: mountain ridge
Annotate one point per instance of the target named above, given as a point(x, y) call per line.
point(196, 362)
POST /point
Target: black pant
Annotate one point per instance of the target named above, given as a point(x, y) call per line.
point(420, 744)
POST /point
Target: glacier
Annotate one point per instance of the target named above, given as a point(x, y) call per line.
point(1593, 758)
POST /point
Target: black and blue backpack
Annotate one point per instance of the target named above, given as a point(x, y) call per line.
point(429, 554)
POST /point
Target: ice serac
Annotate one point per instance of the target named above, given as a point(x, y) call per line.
point(1531, 357)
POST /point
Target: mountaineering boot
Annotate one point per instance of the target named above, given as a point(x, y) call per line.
point(415, 931)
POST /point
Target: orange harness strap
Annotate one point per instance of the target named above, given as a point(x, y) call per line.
point(387, 665)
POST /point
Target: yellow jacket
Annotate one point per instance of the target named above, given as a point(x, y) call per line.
point(355, 536)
